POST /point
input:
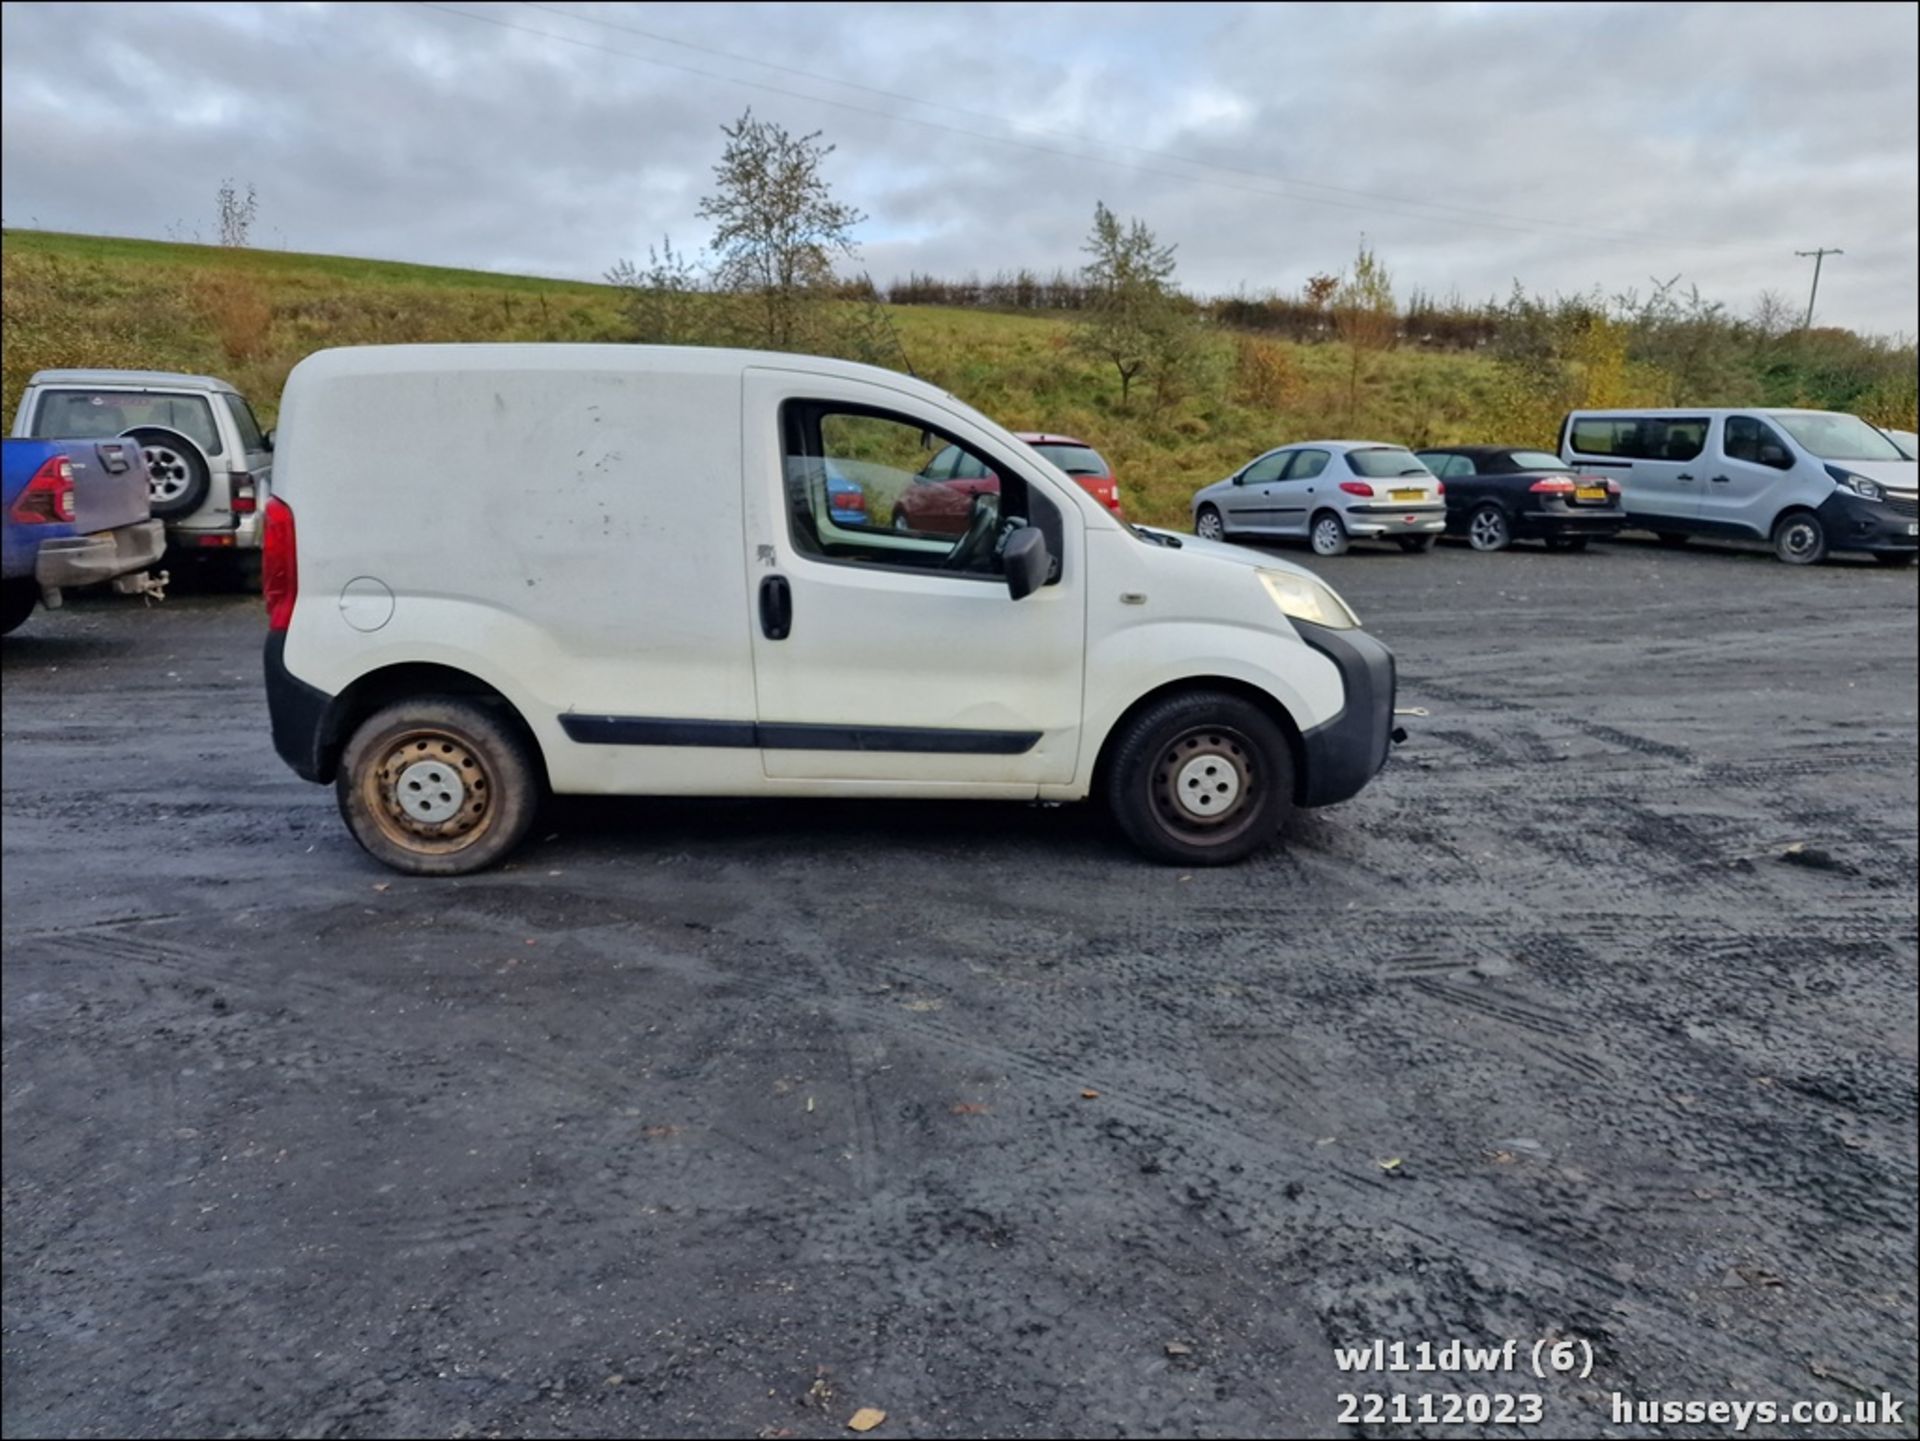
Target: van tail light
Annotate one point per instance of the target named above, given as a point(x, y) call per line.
point(241, 494)
point(279, 565)
point(1555, 486)
point(48, 497)
point(1357, 487)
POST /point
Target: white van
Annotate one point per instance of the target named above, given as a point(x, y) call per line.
point(1807, 481)
point(493, 570)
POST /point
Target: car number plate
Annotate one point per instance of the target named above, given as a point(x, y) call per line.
point(1592, 492)
point(1409, 495)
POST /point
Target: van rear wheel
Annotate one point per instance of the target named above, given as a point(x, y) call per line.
point(437, 786)
point(1200, 778)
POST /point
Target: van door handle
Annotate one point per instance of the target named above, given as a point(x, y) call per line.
point(1721, 480)
point(1683, 476)
point(776, 607)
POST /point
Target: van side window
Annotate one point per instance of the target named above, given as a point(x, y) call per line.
point(870, 488)
point(1641, 437)
point(1749, 438)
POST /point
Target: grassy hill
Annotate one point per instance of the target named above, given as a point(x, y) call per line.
point(250, 315)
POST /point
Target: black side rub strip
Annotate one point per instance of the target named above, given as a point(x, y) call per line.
point(613, 730)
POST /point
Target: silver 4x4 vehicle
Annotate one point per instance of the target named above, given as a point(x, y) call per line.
point(209, 461)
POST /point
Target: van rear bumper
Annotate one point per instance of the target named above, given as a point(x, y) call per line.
point(299, 714)
point(1343, 754)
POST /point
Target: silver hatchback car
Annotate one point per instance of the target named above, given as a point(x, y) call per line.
point(1329, 493)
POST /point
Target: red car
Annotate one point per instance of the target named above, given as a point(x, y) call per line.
point(941, 496)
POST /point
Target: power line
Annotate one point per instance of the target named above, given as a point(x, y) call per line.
point(1470, 212)
point(1007, 141)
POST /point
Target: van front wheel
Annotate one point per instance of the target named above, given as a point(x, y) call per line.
point(436, 786)
point(1200, 778)
point(1800, 539)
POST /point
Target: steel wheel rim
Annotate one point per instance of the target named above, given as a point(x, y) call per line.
point(1326, 536)
point(1209, 527)
point(1205, 784)
point(167, 472)
point(430, 792)
point(1800, 539)
point(1487, 531)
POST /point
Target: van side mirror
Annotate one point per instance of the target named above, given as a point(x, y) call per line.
point(1026, 562)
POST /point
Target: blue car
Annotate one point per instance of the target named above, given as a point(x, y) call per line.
point(846, 499)
point(77, 512)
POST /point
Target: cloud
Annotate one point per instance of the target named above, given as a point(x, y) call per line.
point(1570, 147)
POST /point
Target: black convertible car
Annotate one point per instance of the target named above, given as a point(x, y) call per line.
point(1497, 494)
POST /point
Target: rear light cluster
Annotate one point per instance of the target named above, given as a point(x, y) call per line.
point(1555, 486)
point(279, 566)
point(48, 497)
point(849, 500)
point(1439, 487)
point(242, 498)
point(1357, 487)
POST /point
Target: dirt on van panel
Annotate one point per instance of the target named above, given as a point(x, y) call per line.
point(1593, 1020)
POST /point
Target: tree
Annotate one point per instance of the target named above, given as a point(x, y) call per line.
point(236, 213)
point(1134, 320)
point(663, 301)
point(778, 227)
point(1365, 319)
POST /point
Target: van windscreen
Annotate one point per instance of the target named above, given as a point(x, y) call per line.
point(1838, 437)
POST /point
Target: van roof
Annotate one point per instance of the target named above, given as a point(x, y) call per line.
point(562, 357)
point(151, 379)
point(1696, 411)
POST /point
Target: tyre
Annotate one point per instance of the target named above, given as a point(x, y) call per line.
point(1208, 525)
point(1672, 539)
point(437, 786)
point(1566, 542)
point(1799, 538)
point(1893, 557)
point(1417, 544)
point(17, 599)
point(1328, 535)
point(1488, 529)
point(1200, 778)
point(177, 476)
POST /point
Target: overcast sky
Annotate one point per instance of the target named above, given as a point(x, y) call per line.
point(1473, 144)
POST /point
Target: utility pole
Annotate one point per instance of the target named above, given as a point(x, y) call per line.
point(1818, 256)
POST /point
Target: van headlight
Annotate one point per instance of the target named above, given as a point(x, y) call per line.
point(1304, 598)
point(1858, 484)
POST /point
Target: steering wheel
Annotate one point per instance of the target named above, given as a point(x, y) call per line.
point(980, 529)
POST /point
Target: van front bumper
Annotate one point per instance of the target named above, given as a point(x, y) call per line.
point(93, 559)
point(1855, 523)
point(1341, 755)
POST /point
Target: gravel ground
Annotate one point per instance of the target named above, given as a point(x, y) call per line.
point(1593, 1017)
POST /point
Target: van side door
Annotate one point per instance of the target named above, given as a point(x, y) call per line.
point(1749, 472)
point(899, 656)
point(1657, 459)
